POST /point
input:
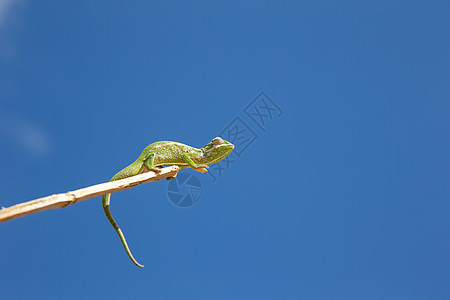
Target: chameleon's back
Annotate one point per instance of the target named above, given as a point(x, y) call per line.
point(167, 153)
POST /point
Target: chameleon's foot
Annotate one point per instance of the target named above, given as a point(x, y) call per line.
point(156, 170)
point(201, 170)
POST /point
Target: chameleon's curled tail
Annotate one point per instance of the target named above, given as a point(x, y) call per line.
point(105, 202)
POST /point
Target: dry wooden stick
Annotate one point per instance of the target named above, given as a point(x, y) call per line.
point(69, 198)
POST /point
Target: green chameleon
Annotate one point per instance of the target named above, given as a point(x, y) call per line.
point(164, 153)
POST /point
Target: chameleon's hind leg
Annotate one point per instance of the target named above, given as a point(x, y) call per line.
point(149, 163)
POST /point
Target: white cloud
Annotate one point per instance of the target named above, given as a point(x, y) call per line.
point(7, 10)
point(9, 17)
point(29, 136)
point(5, 6)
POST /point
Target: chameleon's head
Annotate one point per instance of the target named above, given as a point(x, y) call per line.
point(216, 150)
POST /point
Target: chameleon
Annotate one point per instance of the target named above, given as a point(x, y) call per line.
point(167, 153)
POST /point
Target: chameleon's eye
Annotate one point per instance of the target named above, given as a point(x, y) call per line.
point(217, 141)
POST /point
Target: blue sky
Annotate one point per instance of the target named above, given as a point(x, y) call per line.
point(345, 195)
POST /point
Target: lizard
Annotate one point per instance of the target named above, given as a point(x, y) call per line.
point(167, 153)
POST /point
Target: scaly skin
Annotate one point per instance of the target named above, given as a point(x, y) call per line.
point(164, 153)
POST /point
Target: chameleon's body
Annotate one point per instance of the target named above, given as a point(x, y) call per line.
point(159, 154)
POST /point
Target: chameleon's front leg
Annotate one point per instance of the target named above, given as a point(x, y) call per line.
point(187, 157)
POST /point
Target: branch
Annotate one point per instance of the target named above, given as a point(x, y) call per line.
point(69, 198)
